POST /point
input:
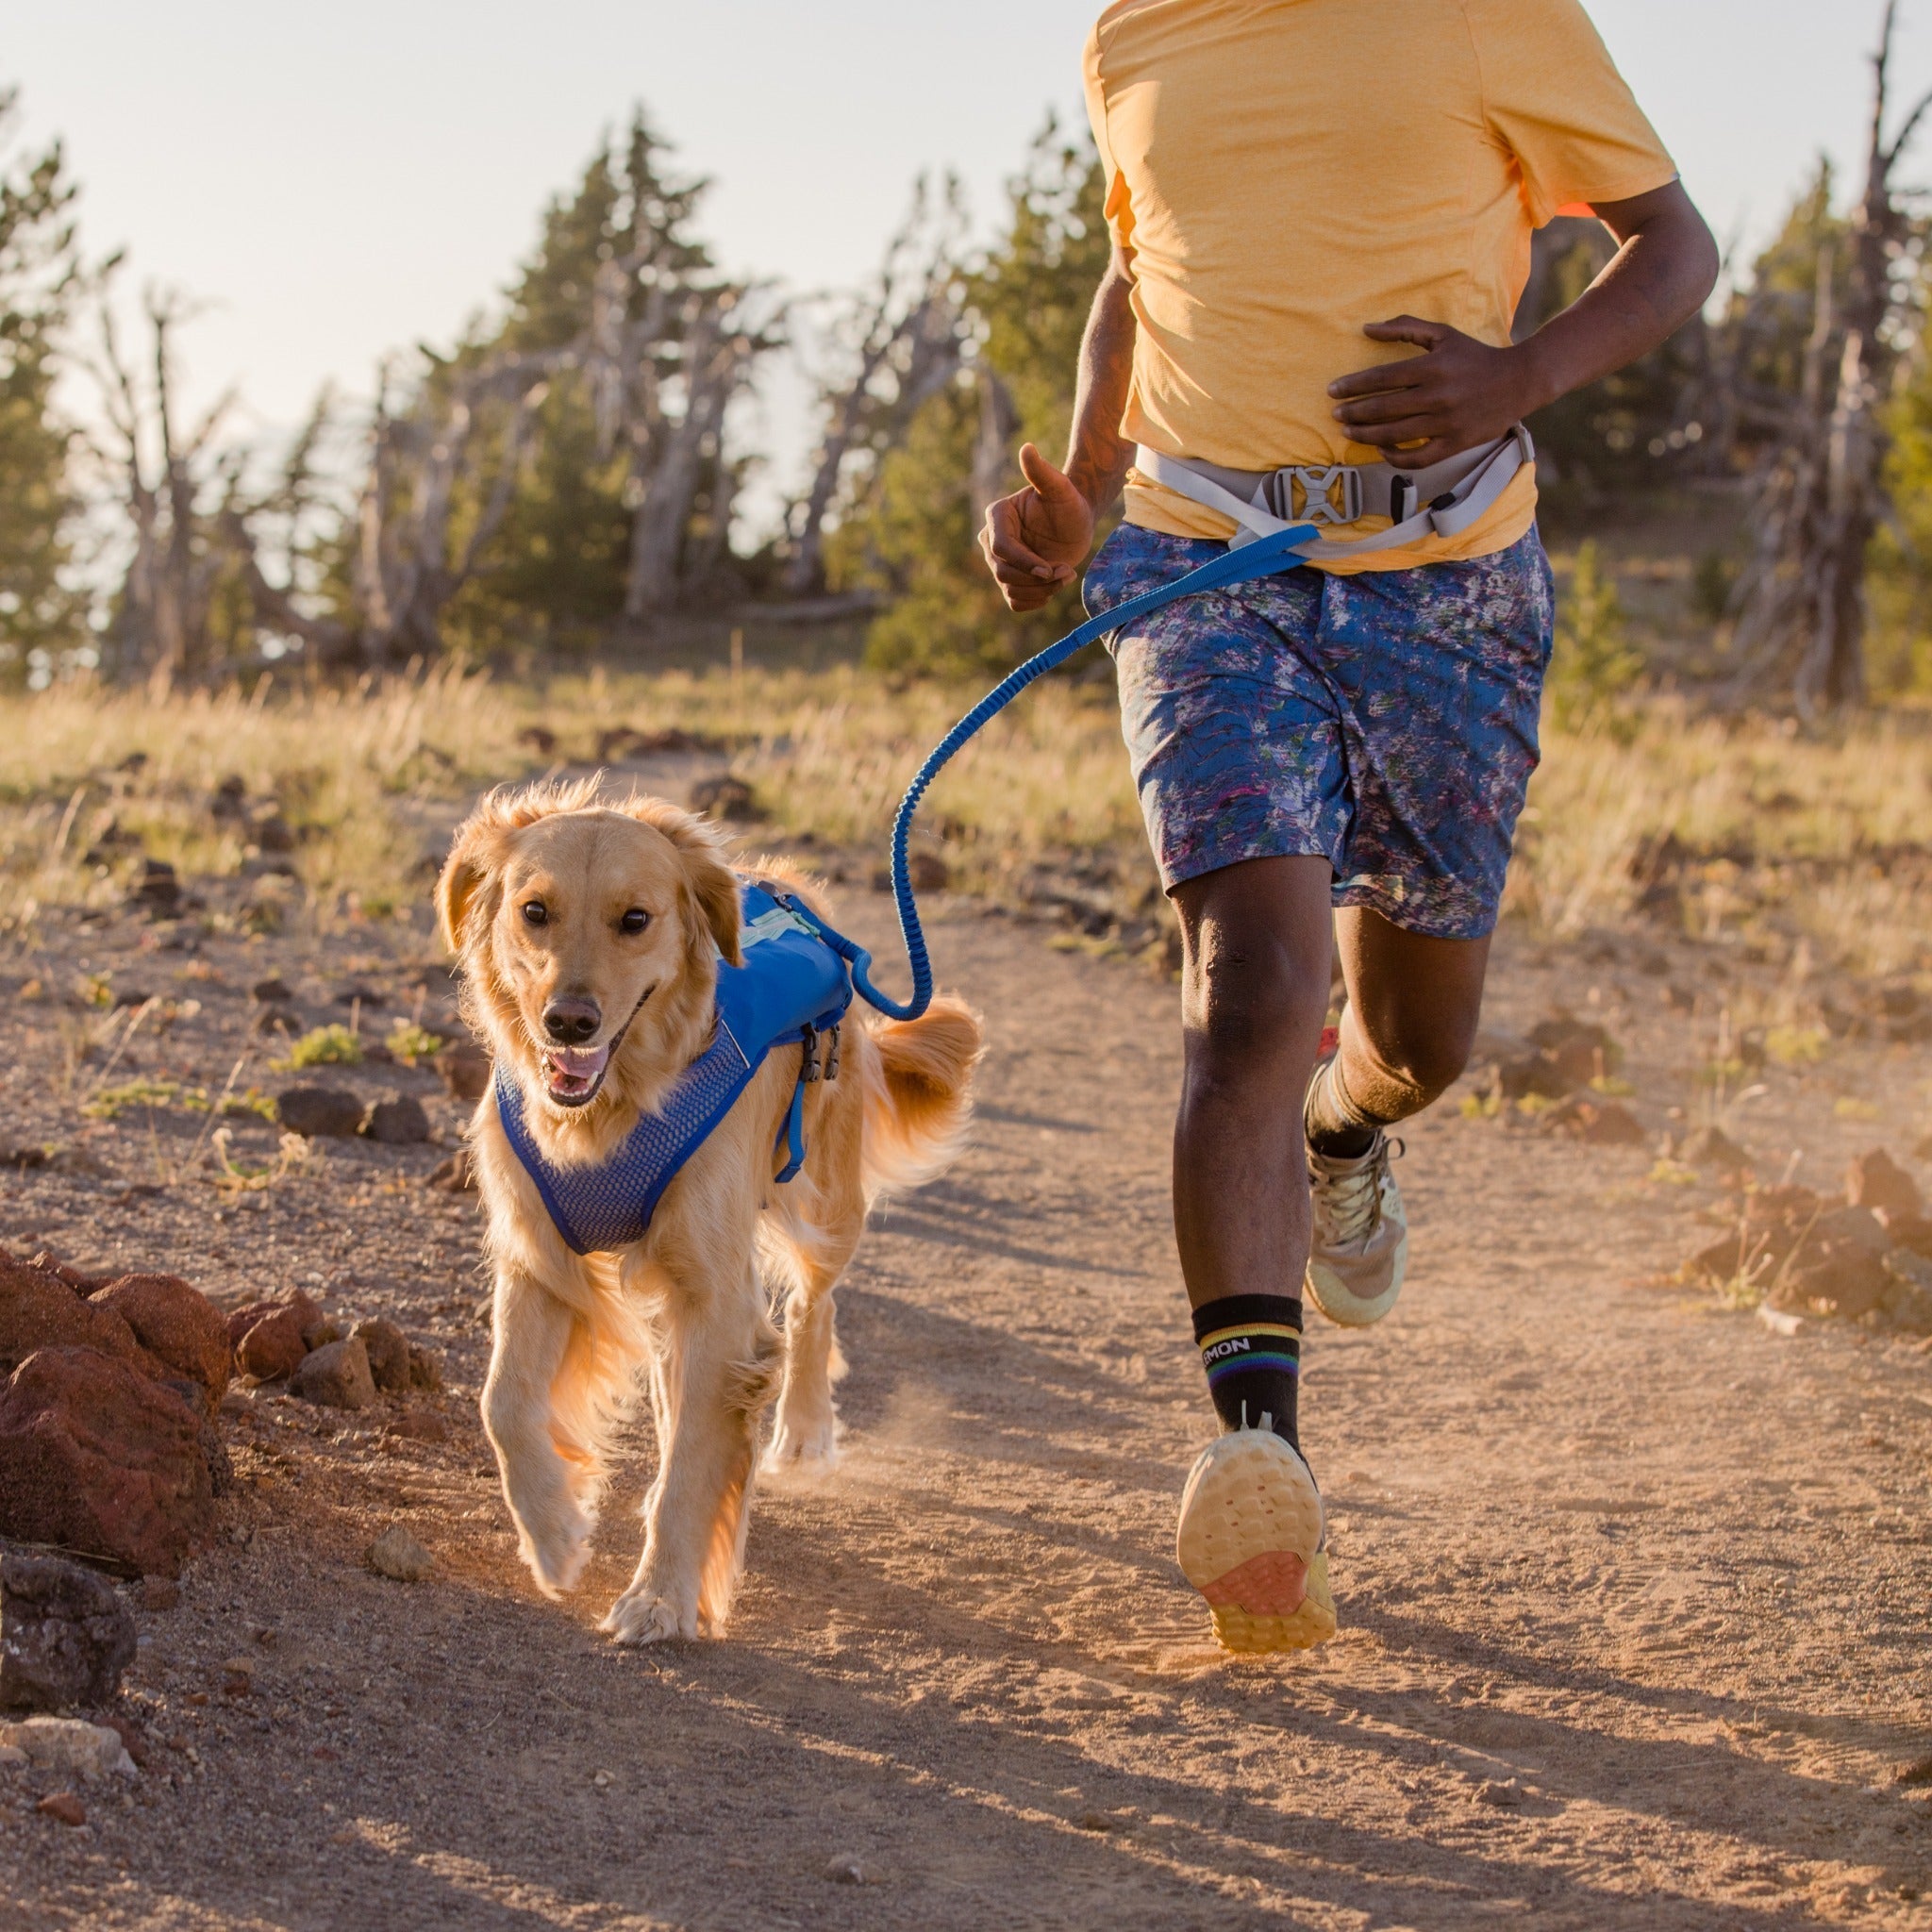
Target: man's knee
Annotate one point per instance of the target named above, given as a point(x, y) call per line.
point(1424, 1063)
point(1247, 1002)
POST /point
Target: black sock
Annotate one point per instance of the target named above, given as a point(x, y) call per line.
point(1251, 1346)
point(1335, 1124)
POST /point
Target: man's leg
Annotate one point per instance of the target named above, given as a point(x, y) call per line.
point(1251, 1538)
point(1413, 1002)
point(1255, 991)
point(1413, 1005)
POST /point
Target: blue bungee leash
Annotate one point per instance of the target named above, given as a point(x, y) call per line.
point(1263, 557)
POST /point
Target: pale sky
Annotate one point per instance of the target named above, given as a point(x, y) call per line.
point(338, 181)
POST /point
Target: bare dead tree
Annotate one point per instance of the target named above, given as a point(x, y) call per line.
point(666, 355)
point(464, 439)
point(1801, 599)
point(907, 337)
point(169, 482)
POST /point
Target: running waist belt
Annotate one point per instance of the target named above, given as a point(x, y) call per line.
point(1443, 500)
point(1263, 544)
point(792, 986)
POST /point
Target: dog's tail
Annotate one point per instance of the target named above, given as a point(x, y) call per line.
point(919, 1093)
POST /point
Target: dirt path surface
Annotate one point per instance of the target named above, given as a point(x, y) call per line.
point(1634, 1592)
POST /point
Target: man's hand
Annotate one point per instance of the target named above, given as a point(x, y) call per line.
point(1461, 392)
point(1036, 538)
point(1457, 394)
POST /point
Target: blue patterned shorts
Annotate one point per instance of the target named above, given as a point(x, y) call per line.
point(1385, 723)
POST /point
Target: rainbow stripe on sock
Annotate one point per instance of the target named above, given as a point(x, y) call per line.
point(1251, 1345)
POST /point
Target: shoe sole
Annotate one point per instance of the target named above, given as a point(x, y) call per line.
point(1249, 1540)
point(1346, 1308)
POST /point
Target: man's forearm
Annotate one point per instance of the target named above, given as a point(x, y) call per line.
point(1656, 282)
point(1097, 457)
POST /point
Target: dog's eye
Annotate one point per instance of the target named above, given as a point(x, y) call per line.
point(635, 920)
point(536, 913)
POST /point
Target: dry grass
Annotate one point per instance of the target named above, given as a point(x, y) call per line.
point(1789, 838)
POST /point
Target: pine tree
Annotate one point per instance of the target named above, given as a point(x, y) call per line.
point(38, 266)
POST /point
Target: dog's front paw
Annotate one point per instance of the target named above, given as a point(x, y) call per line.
point(644, 1615)
point(809, 1444)
point(556, 1551)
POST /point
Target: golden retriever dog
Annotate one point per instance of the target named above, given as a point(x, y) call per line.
point(590, 934)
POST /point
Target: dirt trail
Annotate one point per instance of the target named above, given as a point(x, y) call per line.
point(1634, 1593)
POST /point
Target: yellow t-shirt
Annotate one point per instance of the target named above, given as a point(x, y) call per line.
point(1282, 171)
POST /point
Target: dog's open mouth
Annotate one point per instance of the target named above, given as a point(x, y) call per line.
point(573, 1074)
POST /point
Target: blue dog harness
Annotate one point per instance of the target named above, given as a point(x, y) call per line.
point(793, 987)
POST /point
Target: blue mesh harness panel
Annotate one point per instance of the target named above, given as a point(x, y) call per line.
point(793, 983)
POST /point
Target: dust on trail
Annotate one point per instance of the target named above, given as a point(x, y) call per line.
point(1633, 1593)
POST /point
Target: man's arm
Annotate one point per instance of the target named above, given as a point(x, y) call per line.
point(1461, 392)
point(1035, 540)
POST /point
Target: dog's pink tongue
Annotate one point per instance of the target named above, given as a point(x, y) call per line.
point(581, 1062)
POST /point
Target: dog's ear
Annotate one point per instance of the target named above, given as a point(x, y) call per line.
point(467, 884)
point(715, 886)
point(712, 884)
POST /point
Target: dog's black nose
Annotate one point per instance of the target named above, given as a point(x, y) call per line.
point(570, 1023)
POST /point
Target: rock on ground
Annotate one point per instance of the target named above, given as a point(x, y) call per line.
point(397, 1555)
point(37, 1309)
point(398, 1122)
point(272, 1347)
point(69, 1744)
point(96, 1457)
point(336, 1375)
point(1876, 1180)
point(331, 1112)
point(65, 1634)
point(388, 1353)
point(176, 1324)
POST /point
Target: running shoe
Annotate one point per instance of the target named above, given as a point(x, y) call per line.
point(1254, 1543)
point(1360, 1245)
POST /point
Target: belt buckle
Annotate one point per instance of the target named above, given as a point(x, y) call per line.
point(1319, 492)
point(1318, 481)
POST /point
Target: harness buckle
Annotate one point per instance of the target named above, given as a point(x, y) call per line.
point(808, 1067)
point(1331, 494)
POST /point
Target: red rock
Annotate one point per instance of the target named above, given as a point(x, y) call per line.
point(336, 1375)
point(1876, 1180)
point(96, 1457)
point(38, 1311)
point(425, 1370)
point(133, 1738)
point(272, 1347)
point(158, 1593)
point(176, 1324)
point(388, 1353)
point(1848, 1283)
point(76, 1278)
point(63, 1807)
point(245, 1318)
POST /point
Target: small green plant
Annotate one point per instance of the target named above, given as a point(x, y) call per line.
point(96, 990)
point(409, 1042)
point(112, 1102)
point(254, 1101)
point(1797, 1046)
point(326, 1046)
point(1594, 662)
